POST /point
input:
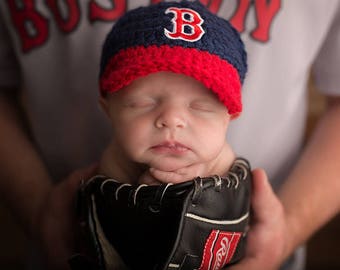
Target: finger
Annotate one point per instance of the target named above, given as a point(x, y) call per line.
point(193, 171)
point(150, 182)
point(148, 179)
point(265, 204)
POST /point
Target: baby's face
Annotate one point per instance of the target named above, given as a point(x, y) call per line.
point(167, 121)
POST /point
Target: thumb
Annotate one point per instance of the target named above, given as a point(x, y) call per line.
point(262, 198)
point(264, 201)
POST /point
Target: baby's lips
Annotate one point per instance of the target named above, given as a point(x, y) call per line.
point(172, 148)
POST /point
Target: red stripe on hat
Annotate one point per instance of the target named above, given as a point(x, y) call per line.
point(215, 73)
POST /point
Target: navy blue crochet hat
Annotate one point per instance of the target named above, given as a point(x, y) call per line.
point(181, 37)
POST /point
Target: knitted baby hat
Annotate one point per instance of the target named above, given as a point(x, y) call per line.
point(181, 37)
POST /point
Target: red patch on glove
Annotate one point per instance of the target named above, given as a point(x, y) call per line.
point(219, 249)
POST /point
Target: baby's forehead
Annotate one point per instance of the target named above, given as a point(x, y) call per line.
point(167, 83)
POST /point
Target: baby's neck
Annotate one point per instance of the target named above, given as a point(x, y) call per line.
point(222, 164)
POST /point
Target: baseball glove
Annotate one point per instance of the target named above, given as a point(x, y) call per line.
point(200, 224)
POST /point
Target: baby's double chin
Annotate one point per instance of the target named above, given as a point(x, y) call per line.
point(168, 166)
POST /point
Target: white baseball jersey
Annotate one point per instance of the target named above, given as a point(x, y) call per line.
point(51, 50)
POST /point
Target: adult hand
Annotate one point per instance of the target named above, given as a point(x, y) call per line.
point(55, 224)
point(267, 244)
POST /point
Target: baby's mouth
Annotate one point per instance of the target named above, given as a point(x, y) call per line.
point(170, 148)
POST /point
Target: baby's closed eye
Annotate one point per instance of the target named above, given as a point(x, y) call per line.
point(140, 103)
point(203, 105)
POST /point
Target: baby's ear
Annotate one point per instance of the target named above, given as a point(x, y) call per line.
point(103, 102)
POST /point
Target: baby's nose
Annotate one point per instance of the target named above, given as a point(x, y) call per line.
point(171, 117)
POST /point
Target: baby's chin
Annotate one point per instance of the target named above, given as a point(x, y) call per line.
point(169, 164)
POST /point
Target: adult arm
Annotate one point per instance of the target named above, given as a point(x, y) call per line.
point(311, 194)
point(44, 210)
point(24, 181)
point(308, 199)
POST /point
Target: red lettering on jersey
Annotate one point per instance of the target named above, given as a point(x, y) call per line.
point(65, 24)
point(99, 13)
point(30, 24)
point(265, 13)
point(239, 17)
point(212, 5)
point(193, 22)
